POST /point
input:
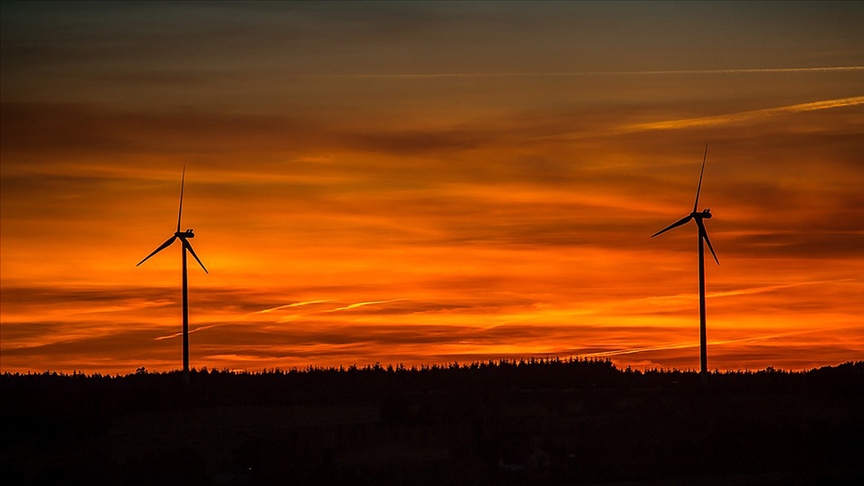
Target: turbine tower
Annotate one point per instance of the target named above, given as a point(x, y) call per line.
point(184, 237)
point(698, 216)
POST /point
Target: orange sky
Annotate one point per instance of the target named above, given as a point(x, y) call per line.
point(430, 182)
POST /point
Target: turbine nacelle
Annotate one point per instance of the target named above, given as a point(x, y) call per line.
point(185, 234)
point(705, 214)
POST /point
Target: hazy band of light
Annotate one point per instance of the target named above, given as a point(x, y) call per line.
point(606, 73)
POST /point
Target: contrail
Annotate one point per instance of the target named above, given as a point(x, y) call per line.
point(708, 121)
point(286, 306)
point(361, 304)
point(737, 292)
point(771, 288)
point(177, 334)
point(743, 116)
point(791, 70)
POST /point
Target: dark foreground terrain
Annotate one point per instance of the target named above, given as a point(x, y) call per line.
point(537, 422)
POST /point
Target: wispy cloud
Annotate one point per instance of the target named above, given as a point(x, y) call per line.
point(191, 331)
point(693, 344)
point(362, 304)
point(288, 306)
point(770, 288)
point(789, 70)
point(744, 116)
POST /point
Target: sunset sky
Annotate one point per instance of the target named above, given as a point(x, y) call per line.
point(430, 182)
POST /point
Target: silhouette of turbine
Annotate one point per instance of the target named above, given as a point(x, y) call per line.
point(183, 236)
point(698, 216)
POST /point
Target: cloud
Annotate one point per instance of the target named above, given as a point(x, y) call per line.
point(769, 288)
point(691, 344)
point(110, 296)
point(77, 130)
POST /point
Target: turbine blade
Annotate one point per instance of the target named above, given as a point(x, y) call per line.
point(699, 187)
point(182, 184)
point(676, 224)
point(157, 250)
point(704, 233)
point(189, 247)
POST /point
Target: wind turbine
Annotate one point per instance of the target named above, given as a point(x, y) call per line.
point(698, 216)
point(184, 237)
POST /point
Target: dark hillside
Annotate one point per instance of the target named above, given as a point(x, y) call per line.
point(532, 422)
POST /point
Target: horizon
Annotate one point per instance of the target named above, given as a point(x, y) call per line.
point(471, 366)
point(428, 183)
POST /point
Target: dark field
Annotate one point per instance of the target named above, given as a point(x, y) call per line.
point(537, 422)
